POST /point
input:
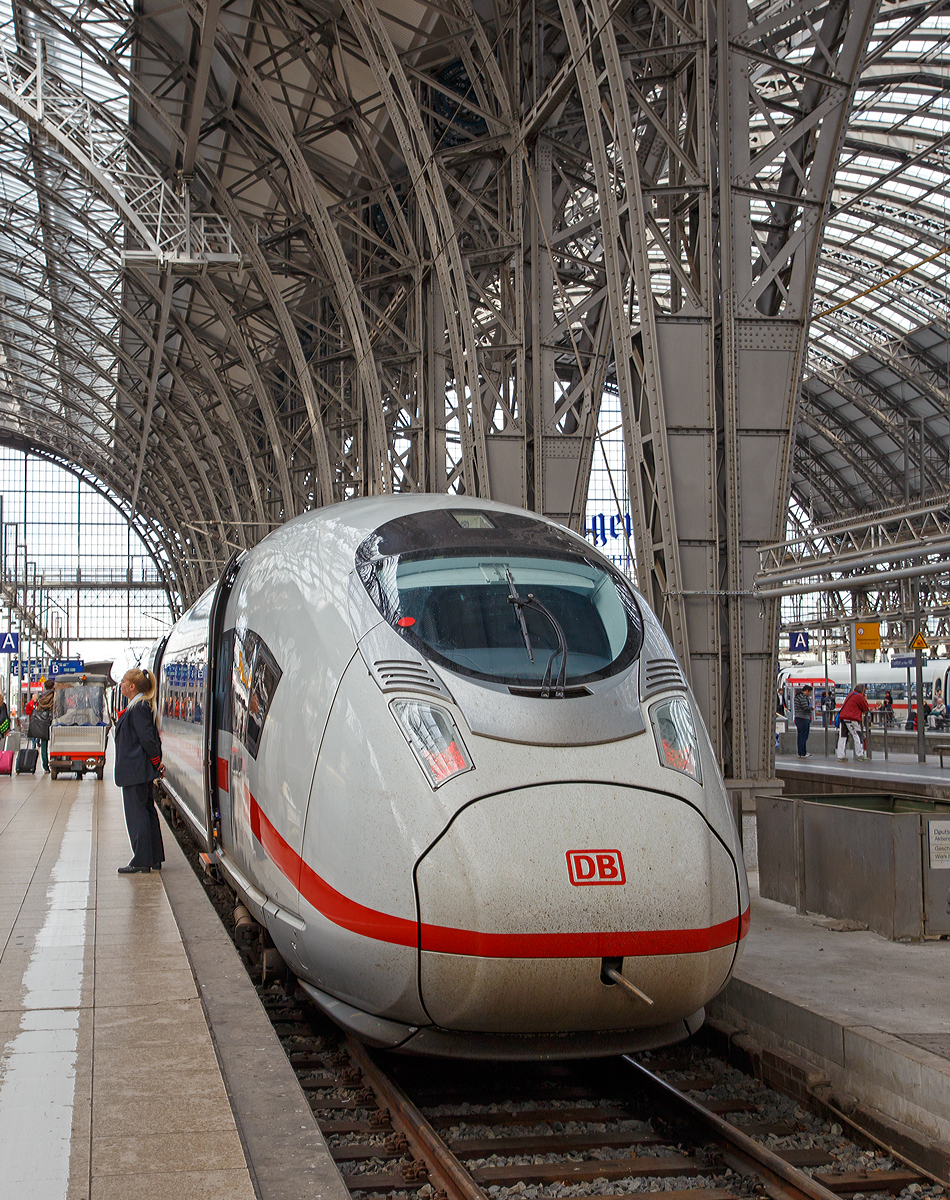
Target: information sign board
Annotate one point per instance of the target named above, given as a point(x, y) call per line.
point(905, 661)
point(66, 666)
point(939, 839)
point(9, 643)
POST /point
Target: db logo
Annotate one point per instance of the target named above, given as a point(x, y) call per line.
point(588, 867)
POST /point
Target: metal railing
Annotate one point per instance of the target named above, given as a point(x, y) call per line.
point(158, 217)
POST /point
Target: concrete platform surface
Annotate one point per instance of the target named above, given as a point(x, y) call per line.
point(111, 1081)
point(871, 1015)
point(897, 773)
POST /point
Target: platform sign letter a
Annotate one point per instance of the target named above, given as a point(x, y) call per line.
point(9, 643)
point(798, 640)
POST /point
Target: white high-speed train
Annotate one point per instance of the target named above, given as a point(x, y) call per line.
point(443, 751)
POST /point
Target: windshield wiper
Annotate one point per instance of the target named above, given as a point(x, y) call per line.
point(531, 601)
point(519, 604)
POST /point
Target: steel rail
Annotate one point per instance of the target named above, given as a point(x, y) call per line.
point(445, 1170)
point(741, 1153)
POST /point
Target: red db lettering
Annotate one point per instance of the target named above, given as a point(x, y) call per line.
point(606, 867)
point(587, 868)
point(584, 867)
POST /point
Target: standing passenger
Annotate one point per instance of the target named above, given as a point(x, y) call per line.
point(803, 712)
point(138, 761)
point(41, 721)
point(853, 709)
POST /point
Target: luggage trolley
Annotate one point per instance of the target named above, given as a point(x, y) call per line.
point(80, 730)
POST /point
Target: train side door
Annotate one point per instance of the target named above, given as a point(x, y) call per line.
point(267, 826)
point(219, 705)
point(216, 725)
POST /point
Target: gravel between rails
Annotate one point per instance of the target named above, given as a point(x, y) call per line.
point(678, 1065)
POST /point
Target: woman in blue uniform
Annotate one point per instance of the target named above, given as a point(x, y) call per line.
point(138, 761)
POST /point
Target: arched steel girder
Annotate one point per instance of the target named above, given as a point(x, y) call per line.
point(152, 538)
point(402, 111)
point(869, 463)
point(94, 412)
point(639, 376)
point(326, 246)
point(186, 442)
point(884, 354)
point(248, 245)
point(64, 344)
point(871, 406)
point(284, 326)
point(34, 428)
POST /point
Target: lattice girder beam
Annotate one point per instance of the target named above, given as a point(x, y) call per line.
point(791, 75)
point(66, 333)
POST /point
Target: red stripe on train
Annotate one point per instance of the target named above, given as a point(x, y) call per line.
point(367, 922)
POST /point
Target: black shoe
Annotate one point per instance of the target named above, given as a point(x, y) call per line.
point(156, 866)
point(130, 870)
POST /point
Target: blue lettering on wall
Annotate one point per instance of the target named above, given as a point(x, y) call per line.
point(604, 528)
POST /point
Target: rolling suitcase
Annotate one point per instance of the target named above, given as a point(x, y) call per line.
point(6, 762)
point(26, 761)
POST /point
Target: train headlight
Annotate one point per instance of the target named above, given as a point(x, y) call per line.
point(433, 738)
point(676, 737)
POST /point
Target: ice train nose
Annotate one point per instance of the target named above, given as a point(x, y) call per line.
point(515, 927)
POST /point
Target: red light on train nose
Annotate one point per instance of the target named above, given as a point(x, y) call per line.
point(405, 622)
point(446, 764)
point(434, 739)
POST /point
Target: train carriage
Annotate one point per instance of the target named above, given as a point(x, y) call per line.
point(443, 751)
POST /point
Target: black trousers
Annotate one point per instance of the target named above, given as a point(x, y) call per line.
point(141, 820)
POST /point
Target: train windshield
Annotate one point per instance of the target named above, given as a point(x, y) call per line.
point(500, 612)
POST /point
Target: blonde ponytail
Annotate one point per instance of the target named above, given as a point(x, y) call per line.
point(144, 683)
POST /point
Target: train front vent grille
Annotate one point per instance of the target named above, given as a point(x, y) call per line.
point(395, 675)
point(662, 674)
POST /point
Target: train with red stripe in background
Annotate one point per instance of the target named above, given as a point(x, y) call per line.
point(879, 679)
point(443, 751)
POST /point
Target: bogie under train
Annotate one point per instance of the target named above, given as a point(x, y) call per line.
point(445, 754)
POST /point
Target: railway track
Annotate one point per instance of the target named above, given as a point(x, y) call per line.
point(410, 1129)
point(400, 1127)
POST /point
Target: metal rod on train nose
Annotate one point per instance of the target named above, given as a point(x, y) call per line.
point(615, 975)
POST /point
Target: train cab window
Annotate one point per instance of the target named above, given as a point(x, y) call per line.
point(254, 678)
point(458, 592)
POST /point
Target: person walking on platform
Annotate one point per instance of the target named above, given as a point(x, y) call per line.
point(803, 714)
point(138, 761)
point(41, 721)
point(851, 714)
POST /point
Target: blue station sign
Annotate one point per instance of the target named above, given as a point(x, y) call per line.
point(66, 666)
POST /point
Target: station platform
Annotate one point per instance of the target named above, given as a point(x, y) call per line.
point(137, 1059)
point(899, 772)
point(869, 1018)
